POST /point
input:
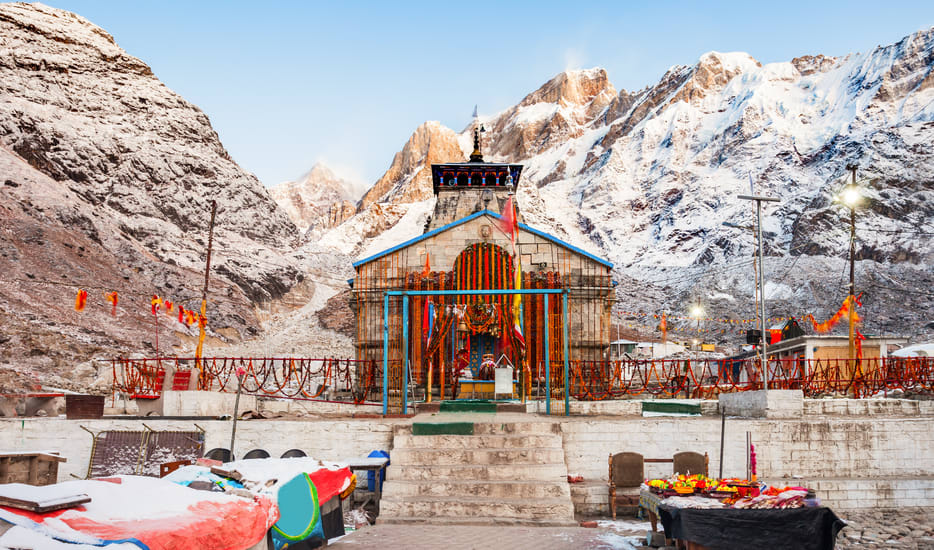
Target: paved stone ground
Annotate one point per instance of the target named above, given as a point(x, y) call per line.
point(608, 535)
point(909, 529)
point(903, 529)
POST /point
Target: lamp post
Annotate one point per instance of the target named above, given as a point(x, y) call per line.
point(764, 357)
point(851, 198)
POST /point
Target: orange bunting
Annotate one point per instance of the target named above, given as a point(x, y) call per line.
point(168, 306)
point(181, 314)
point(156, 302)
point(112, 298)
point(81, 300)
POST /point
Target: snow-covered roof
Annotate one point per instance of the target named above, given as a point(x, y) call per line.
point(623, 341)
point(473, 216)
point(917, 350)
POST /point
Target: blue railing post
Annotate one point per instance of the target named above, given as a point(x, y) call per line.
point(405, 354)
point(385, 353)
point(567, 384)
point(547, 361)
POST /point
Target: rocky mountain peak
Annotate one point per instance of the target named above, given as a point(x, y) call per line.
point(319, 199)
point(408, 178)
point(579, 87)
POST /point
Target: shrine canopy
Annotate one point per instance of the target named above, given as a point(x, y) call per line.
point(466, 175)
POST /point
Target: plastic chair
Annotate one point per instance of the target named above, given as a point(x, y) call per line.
point(256, 453)
point(218, 454)
point(293, 453)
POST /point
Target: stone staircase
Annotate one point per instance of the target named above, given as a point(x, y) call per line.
point(510, 473)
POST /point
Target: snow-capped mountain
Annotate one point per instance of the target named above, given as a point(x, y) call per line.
point(320, 199)
point(648, 178)
point(106, 183)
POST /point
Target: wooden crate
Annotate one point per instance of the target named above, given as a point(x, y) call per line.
point(84, 406)
point(32, 468)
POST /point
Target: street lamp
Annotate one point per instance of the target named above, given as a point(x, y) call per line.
point(764, 358)
point(851, 197)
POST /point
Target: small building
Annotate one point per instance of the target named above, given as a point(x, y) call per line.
point(829, 347)
point(622, 347)
point(465, 248)
point(786, 330)
point(659, 350)
point(916, 350)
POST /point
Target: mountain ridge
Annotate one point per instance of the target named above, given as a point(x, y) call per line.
point(647, 178)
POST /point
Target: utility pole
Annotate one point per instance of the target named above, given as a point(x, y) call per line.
point(851, 299)
point(764, 357)
point(204, 304)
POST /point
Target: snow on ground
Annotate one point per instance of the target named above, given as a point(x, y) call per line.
point(618, 542)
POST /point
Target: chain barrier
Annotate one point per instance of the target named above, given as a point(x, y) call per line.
point(287, 377)
point(706, 378)
point(361, 380)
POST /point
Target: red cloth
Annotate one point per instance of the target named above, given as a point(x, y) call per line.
point(330, 482)
point(158, 513)
point(508, 222)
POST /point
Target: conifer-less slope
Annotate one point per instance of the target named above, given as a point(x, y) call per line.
point(106, 183)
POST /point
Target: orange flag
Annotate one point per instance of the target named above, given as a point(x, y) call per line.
point(508, 222)
point(112, 298)
point(427, 270)
point(81, 300)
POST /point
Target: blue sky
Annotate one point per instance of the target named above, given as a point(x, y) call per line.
point(288, 83)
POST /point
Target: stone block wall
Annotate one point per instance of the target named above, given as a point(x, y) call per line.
point(893, 452)
point(320, 438)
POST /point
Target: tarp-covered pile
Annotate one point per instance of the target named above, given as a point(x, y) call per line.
point(145, 513)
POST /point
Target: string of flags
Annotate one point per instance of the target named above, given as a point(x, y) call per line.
point(157, 304)
point(185, 316)
point(724, 320)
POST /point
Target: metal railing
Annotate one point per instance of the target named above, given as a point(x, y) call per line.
point(282, 377)
point(361, 380)
point(598, 380)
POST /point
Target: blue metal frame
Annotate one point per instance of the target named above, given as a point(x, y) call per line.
point(547, 358)
point(405, 337)
point(567, 387)
point(473, 216)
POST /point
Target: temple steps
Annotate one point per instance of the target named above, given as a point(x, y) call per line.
point(511, 473)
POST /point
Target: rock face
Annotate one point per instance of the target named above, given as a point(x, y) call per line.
point(319, 200)
point(409, 176)
point(647, 178)
point(107, 180)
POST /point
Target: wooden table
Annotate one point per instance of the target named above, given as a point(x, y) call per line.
point(30, 467)
point(375, 464)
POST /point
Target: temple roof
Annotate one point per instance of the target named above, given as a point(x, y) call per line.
point(522, 226)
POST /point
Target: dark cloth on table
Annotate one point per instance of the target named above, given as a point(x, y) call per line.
point(796, 528)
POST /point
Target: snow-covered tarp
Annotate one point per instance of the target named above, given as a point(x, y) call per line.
point(147, 513)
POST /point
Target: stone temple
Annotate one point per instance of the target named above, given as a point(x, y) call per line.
point(467, 246)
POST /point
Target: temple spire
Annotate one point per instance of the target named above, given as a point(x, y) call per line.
point(476, 156)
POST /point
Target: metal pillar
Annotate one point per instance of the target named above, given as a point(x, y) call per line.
point(567, 385)
point(765, 358)
point(765, 355)
point(405, 354)
point(547, 359)
point(385, 353)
